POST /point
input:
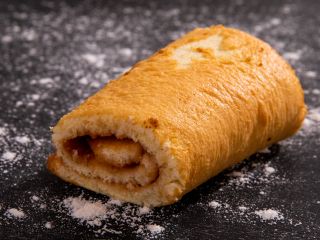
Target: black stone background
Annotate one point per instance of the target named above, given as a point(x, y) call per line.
point(61, 31)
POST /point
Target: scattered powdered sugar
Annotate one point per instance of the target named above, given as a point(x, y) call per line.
point(83, 81)
point(126, 52)
point(15, 213)
point(311, 124)
point(2, 131)
point(242, 208)
point(269, 214)
point(86, 210)
point(155, 229)
point(144, 210)
point(311, 74)
point(95, 213)
point(46, 81)
point(269, 170)
point(115, 202)
point(48, 225)
point(94, 59)
point(9, 156)
point(6, 39)
point(214, 204)
point(316, 91)
point(35, 198)
point(292, 55)
point(23, 139)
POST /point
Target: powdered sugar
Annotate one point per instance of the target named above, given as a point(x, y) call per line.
point(155, 229)
point(8, 156)
point(22, 139)
point(242, 208)
point(269, 170)
point(35, 198)
point(15, 213)
point(214, 204)
point(269, 214)
point(95, 59)
point(311, 123)
point(46, 81)
point(85, 210)
point(144, 210)
point(292, 55)
point(95, 213)
point(48, 225)
point(311, 74)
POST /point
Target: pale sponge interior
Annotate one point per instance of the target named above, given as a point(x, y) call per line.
point(187, 53)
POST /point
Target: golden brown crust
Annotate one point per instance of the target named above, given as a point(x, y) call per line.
point(199, 105)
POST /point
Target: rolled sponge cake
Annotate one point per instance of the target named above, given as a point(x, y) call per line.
point(196, 107)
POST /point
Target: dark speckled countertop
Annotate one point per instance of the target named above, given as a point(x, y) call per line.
point(55, 54)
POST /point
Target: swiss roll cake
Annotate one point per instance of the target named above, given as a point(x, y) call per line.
point(196, 107)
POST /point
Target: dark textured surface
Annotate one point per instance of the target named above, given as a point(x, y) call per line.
point(53, 55)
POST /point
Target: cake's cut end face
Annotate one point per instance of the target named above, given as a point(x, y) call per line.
point(116, 158)
point(116, 161)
